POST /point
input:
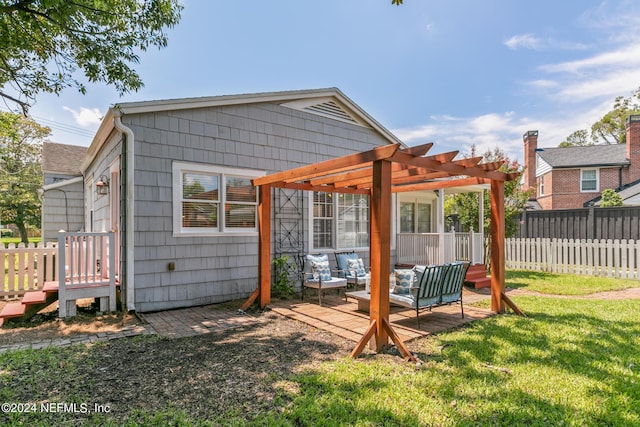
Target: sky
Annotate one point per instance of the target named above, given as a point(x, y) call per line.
point(457, 73)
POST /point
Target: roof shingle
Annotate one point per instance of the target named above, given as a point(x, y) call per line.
point(62, 158)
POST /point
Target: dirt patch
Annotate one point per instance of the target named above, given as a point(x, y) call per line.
point(46, 326)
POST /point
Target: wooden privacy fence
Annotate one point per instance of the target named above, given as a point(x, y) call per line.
point(26, 268)
point(607, 258)
point(585, 223)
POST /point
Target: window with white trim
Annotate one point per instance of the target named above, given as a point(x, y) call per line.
point(415, 216)
point(340, 221)
point(213, 199)
point(541, 186)
point(588, 180)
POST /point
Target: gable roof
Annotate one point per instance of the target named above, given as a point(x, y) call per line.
point(327, 102)
point(62, 158)
point(587, 156)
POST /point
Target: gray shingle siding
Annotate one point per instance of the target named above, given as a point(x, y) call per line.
point(266, 137)
point(62, 209)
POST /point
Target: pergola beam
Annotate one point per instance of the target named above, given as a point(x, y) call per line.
point(435, 185)
point(451, 168)
point(351, 161)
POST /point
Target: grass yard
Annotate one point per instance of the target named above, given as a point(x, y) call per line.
point(570, 362)
point(565, 284)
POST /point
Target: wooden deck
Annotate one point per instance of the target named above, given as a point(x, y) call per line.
point(343, 318)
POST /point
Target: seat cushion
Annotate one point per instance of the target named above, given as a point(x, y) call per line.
point(334, 282)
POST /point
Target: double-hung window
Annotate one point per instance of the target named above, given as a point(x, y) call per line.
point(340, 221)
point(588, 180)
point(415, 216)
point(212, 199)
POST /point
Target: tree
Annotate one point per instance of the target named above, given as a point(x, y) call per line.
point(44, 42)
point(466, 204)
point(611, 128)
point(20, 172)
point(577, 138)
point(609, 199)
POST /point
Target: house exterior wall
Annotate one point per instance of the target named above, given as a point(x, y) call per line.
point(265, 137)
point(98, 213)
point(62, 209)
point(562, 187)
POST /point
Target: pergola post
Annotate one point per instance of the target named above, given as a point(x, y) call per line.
point(497, 246)
point(380, 250)
point(264, 248)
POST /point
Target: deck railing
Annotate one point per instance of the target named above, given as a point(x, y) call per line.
point(433, 248)
point(26, 268)
point(87, 260)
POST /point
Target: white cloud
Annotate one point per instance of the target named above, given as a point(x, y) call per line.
point(86, 117)
point(525, 41)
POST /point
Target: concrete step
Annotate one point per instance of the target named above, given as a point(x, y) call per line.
point(13, 309)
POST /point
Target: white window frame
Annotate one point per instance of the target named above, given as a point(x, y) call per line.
point(179, 168)
point(417, 199)
point(597, 172)
point(335, 227)
point(541, 185)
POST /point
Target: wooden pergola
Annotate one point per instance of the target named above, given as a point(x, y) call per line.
point(379, 173)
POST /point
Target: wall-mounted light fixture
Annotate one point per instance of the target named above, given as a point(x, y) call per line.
point(102, 186)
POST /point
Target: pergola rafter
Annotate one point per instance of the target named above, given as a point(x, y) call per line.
point(379, 173)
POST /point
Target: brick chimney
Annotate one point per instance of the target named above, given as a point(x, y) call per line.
point(530, 146)
point(633, 146)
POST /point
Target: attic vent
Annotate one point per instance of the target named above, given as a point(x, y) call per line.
point(331, 109)
point(326, 107)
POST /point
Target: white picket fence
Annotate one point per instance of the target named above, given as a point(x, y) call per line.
point(26, 267)
point(606, 258)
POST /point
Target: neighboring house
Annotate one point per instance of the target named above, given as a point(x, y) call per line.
point(574, 177)
point(173, 178)
point(63, 190)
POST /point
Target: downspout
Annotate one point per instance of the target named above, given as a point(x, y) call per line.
point(129, 204)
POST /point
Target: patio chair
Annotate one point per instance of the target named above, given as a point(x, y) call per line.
point(350, 267)
point(452, 284)
point(316, 274)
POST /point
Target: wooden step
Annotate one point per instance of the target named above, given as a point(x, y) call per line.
point(13, 309)
point(50, 287)
point(484, 282)
point(34, 297)
point(477, 274)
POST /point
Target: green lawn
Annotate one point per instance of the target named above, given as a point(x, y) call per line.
point(570, 362)
point(565, 284)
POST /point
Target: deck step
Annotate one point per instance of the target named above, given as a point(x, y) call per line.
point(484, 282)
point(50, 287)
point(13, 309)
point(34, 297)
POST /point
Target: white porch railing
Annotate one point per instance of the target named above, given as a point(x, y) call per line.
point(424, 248)
point(87, 260)
point(26, 268)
